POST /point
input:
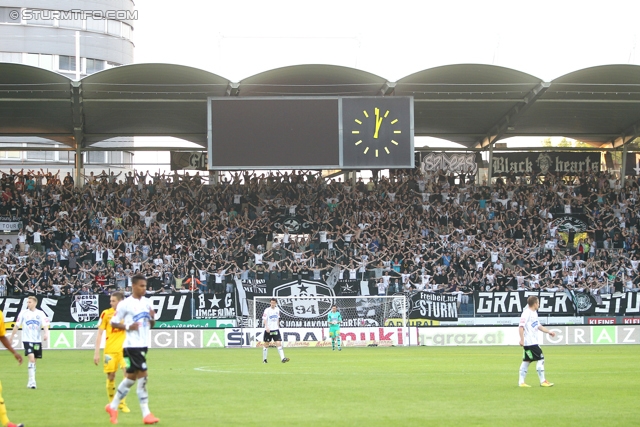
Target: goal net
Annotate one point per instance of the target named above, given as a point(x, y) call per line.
point(366, 320)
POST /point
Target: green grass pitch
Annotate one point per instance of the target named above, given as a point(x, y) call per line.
point(417, 386)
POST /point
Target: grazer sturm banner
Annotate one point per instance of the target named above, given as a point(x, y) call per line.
point(449, 162)
point(627, 303)
point(10, 223)
point(551, 303)
point(185, 160)
point(432, 306)
point(545, 162)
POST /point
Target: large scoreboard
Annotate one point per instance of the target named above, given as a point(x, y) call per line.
point(310, 133)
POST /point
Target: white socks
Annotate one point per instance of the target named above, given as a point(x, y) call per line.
point(280, 352)
point(540, 369)
point(32, 372)
point(121, 392)
point(143, 396)
point(524, 367)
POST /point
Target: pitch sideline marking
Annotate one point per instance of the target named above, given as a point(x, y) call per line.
point(220, 371)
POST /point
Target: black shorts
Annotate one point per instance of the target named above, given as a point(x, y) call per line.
point(272, 336)
point(34, 348)
point(135, 359)
point(532, 353)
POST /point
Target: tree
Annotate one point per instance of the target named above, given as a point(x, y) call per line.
point(634, 145)
point(580, 144)
point(565, 143)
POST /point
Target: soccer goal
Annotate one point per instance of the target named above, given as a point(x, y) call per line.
point(366, 320)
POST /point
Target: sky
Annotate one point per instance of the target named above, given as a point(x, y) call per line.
point(392, 39)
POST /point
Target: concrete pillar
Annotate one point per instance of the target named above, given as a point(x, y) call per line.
point(79, 168)
point(214, 178)
point(623, 166)
point(490, 169)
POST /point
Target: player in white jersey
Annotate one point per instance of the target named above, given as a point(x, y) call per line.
point(32, 321)
point(136, 317)
point(529, 327)
point(271, 321)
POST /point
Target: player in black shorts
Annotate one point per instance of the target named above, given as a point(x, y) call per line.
point(136, 317)
point(271, 321)
point(34, 348)
point(273, 336)
point(528, 330)
point(532, 353)
point(136, 359)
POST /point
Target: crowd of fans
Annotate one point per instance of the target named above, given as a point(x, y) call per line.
point(411, 231)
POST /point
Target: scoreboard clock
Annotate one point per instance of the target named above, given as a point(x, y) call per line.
point(310, 133)
point(377, 132)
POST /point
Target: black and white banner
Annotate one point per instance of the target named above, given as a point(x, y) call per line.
point(215, 306)
point(633, 164)
point(571, 223)
point(294, 224)
point(545, 162)
point(551, 303)
point(87, 308)
point(306, 303)
point(624, 304)
point(262, 288)
point(432, 306)
point(10, 223)
point(184, 160)
point(347, 288)
point(449, 162)
point(558, 303)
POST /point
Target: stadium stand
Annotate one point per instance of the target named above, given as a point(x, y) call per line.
point(408, 232)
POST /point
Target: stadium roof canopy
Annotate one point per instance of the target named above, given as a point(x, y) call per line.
point(474, 105)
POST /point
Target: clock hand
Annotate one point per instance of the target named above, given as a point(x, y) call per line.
point(378, 122)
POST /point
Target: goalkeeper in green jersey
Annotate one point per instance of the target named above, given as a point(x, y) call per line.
point(334, 318)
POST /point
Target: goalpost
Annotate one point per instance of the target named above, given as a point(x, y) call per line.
point(366, 320)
